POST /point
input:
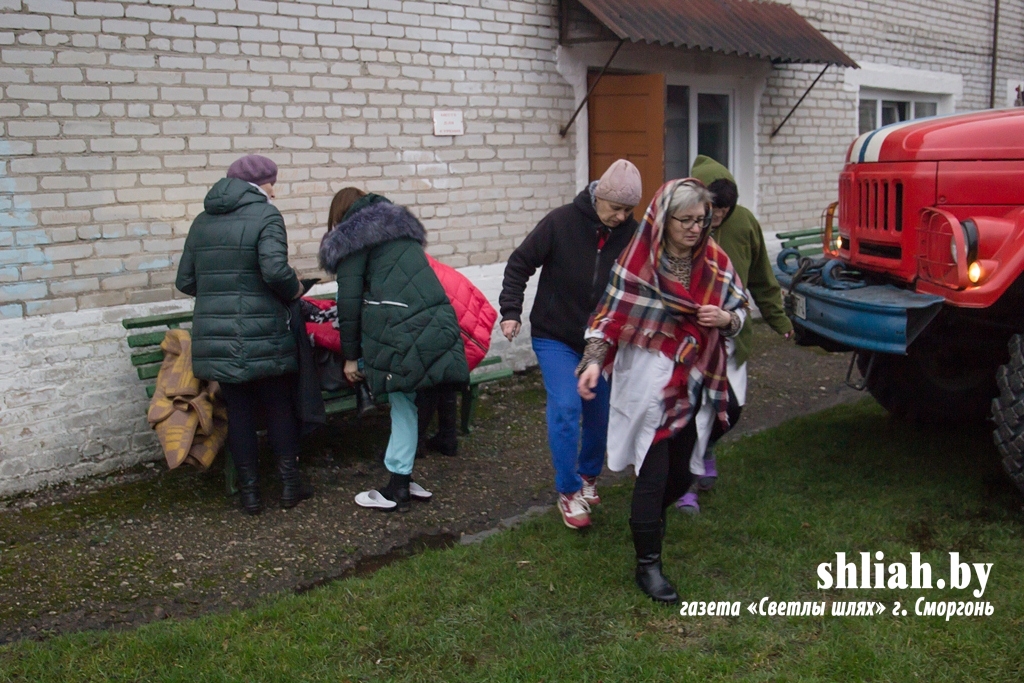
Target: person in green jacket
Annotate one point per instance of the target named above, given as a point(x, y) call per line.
point(737, 231)
point(235, 263)
point(394, 315)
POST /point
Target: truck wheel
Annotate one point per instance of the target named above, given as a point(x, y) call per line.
point(1008, 412)
point(932, 383)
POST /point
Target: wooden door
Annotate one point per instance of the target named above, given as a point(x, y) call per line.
point(627, 121)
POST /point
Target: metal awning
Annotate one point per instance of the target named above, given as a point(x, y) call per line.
point(760, 30)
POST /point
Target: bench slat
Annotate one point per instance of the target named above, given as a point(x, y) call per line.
point(798, 233)
point(168, 319)
point(342, 405)
point(149, 371)
point(147, 339)
point(482, 377)
point(801, 242)
point(341, 393)
point(147, 357)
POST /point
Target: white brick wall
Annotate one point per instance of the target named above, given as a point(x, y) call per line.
point(70, 402)
point(118, 116)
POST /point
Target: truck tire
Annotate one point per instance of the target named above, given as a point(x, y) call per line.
point(1008, 412)
point(929, 386)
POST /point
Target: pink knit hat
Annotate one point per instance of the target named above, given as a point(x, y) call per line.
point(620, 184)
point(255, 169)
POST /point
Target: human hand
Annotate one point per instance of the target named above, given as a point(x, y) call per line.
point(352, 373)
point(713, 316)
point(510, 329)
point(789, 335)
point(587, 382)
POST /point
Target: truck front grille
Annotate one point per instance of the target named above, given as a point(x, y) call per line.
point(880, 205)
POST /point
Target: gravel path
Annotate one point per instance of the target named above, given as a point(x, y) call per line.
point(149, 544)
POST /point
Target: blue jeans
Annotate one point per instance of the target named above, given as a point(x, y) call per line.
point(565, 410)
point(401, 452)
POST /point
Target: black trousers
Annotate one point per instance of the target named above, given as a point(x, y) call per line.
point(664, 476)
point(274, 398)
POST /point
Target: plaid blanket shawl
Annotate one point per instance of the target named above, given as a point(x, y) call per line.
point(645, 305)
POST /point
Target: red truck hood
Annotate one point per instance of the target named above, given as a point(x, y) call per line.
point(987, 135)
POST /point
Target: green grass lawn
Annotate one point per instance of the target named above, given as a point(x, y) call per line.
point(543, 603)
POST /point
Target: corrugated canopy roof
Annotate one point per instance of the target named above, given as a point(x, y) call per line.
point(763, 30)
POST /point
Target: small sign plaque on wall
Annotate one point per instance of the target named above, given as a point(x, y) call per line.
point(448, 122)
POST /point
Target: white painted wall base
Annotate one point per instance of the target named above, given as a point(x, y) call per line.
point(71, 405)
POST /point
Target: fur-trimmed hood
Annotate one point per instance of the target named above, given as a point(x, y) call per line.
point(376, 224)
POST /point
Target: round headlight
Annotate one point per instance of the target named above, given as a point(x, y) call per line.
point(952, 248)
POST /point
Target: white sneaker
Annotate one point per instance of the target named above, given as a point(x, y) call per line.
point(575, 510)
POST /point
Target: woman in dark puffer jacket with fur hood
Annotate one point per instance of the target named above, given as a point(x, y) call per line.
point(394, 315)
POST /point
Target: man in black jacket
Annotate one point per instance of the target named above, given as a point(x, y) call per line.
point(575, 247)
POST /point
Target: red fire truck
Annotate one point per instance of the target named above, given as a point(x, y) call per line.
point(924, 279)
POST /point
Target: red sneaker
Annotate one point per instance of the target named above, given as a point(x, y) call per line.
point(575, 510)
point(589, 491)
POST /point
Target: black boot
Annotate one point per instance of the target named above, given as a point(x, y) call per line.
point(397, 490)
point(444, 444)
point(647, 541)
point(446, 441)
point(293, 489)
point(365, 403)
point(249, 488)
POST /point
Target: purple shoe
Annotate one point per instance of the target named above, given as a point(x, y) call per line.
point(707, 482)
point(688, 504)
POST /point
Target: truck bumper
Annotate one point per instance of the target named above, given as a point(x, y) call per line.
point(879, 318)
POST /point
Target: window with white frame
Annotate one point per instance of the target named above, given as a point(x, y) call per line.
point(876, 108)
point(696, 122)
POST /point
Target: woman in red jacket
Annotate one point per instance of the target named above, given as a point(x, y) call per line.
point(476, 320)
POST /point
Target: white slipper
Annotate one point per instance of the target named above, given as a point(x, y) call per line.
point(374, 499)
point(417, 491)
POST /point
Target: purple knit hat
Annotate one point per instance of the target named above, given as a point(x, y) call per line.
point(620, 184)
point(255, 169)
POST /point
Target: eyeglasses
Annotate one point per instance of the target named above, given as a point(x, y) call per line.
point(690, 222)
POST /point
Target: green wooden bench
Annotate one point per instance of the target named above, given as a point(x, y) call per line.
point(148, 333)
point(807, 242)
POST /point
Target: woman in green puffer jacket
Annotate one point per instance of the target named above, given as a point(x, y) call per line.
point(235, 263)
point(395, 316)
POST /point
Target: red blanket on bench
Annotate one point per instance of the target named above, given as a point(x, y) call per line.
point(476, 315)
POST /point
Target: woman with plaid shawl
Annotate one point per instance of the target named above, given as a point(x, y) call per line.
point(661, 329)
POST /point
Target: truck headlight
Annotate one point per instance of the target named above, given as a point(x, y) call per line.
point(952, 249)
